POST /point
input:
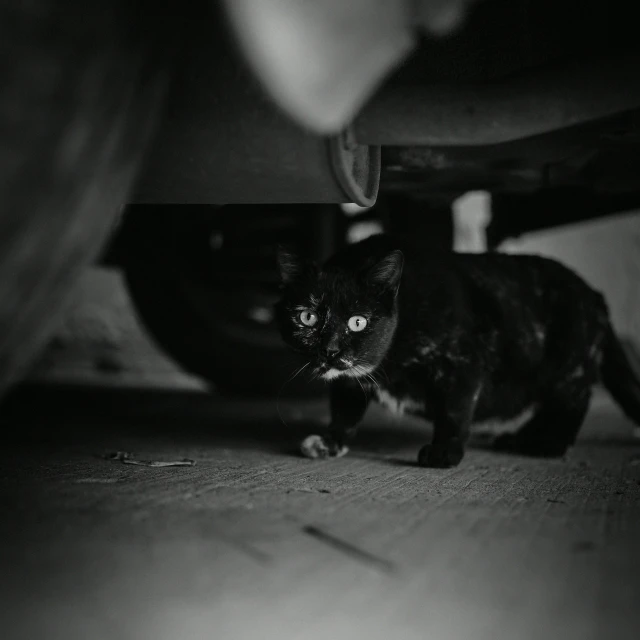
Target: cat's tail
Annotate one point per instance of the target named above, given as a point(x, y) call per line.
point(620, 377)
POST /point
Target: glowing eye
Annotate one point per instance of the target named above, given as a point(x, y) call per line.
point(308, 318)
point(357, 323)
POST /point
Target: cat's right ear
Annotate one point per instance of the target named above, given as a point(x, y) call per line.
point(292, 268)
point(387, 273)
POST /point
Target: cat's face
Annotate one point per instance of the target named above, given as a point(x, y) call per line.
point(342, 322)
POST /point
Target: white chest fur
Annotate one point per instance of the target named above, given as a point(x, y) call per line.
point(397, 405)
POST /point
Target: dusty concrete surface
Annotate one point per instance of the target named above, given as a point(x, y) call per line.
point(254, 542)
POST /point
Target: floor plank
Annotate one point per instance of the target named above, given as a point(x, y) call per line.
point(255, 542)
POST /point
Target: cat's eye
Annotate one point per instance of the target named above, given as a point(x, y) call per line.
point(357, 323)
point(308, 318)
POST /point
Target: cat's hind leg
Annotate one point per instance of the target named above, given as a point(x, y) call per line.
point(349, 402)
point(554, 426)
point(452, 420)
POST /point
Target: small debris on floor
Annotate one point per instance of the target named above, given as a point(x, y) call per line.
point(129, 458)
point(308, 490)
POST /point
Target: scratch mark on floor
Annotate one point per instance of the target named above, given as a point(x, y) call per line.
point(349, 549)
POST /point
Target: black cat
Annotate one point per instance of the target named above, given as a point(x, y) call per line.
point(455, 338)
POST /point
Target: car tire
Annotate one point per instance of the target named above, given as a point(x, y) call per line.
point(81, 89)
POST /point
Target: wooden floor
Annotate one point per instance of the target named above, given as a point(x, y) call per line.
point(255, 542)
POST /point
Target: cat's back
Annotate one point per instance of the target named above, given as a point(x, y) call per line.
point(522, 276)
point(496, 275)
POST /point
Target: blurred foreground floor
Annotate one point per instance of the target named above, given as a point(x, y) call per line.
point(255, 542)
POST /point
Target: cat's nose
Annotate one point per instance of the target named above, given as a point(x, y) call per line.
point(330, 351)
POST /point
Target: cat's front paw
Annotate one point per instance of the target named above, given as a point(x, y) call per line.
point(441, 456)
point(319, 447)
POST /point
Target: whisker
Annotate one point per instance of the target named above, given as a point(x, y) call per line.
point(297, 372)
point(382, 373)
point(375, 382)
point(362, 371)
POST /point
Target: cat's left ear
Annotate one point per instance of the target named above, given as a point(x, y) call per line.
point(386, 273)
point(292, 267)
